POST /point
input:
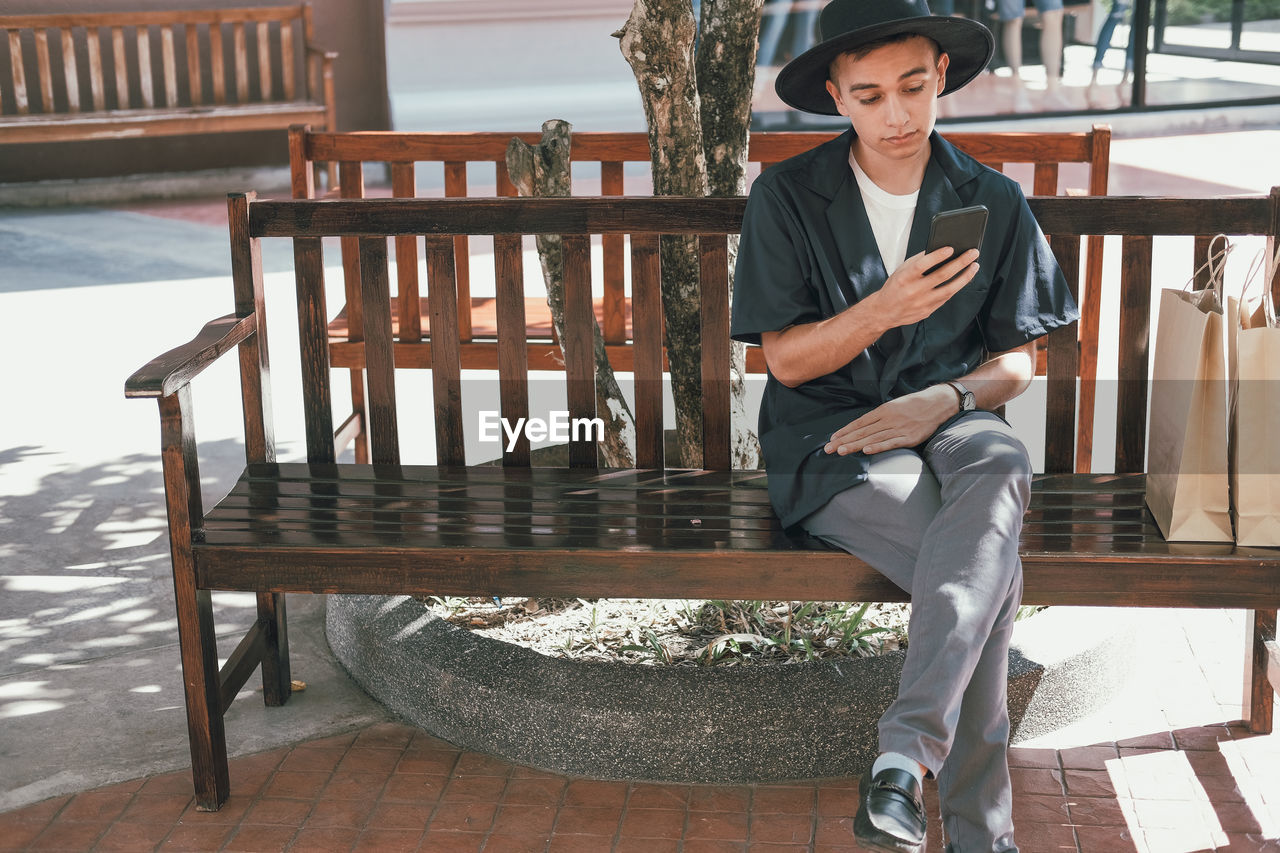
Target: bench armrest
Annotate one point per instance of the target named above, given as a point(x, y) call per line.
point(165, 374)
point(321, 52)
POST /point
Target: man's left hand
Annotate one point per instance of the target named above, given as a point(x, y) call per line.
point(904, 422)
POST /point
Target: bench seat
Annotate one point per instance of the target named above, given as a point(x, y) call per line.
point(129, 124)
point(298, 527)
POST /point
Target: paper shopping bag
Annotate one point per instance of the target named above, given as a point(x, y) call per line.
point(1187, 481)
point(1255, 453)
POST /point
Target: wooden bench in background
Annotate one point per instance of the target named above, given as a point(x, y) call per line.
point(474, 164)
point(449, 529)
point(117, 75)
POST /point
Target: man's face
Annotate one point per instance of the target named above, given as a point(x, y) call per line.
point(891, 95)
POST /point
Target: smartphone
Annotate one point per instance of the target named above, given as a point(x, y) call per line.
point(960, 229)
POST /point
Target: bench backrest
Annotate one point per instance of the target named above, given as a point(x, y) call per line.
point(468, 160)
point(370, 222)
point(98, 62)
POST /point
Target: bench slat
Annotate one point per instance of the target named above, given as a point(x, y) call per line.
point(375, 290)
point(45, 70)
point(446, 382)
point(121, 124)
point(1045, 181)
point(513, 357)
point(351, 185)
point(455, 186)
point(579, 345)
point(615, 298)
point(308, 255)
point(22, 102)
point(217, 64)
point(71, 71)
point(93, 42)
point(242, 62)
point(288, 73)
point(403, 185)
point(145, 81)
point(195, 85)
point(148, 18)
point(1062, 370)
point(646, 308)
point(1133, 363)
point(120, 65)
point(169, 61)
point(266, 85)
point(717, 426)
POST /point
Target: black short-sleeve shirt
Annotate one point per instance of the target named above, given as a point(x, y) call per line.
point(808, 253)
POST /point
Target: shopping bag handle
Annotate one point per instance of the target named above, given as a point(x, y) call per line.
point(1268, 301)
point(1216, 264)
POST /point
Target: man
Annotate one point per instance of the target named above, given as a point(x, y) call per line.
point(876, 424)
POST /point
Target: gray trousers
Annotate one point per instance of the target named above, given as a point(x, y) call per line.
point(943, 524)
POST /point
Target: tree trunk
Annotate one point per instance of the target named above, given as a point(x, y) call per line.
point(658, 43)
point(544, 171)
point(726, 63)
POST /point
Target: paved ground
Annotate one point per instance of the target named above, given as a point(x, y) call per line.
point(90, 693)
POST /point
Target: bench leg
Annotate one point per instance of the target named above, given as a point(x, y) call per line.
point(1259, 698)
point(276, 679)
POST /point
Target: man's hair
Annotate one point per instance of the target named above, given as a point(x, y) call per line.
point(863, 49)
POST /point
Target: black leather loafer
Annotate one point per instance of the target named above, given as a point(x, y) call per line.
point(890, 816)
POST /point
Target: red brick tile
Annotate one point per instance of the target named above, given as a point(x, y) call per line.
point(1089, 783)
point(385, 736)
point(497, 843)
point(837, 802)
point(132, 786)
point(41, 812)
point(1035, 780)
point(1046, 837)
point(432, 762)
point(645, 796)
point(642, 845)
point(333, 742)
point(379, 840)
point(354, 786)
point(131, 837)
point(586, 820)
point(1221, 789)
point(717, 826)
point(519, 771)
point(1239, 817)
point(1154, 740)
point(1248, 843)
point(169, 783)
point(329, 839)
point(1088, 757)
point(1098, 811)
point(1039, 808)
point(353, 814)
point(197, 839)
point(281, 812)
point(534, 792)
point(422, 740)
point(95, 806)
point(464, 817)
point(1104, 839)
point(514, 819)
point(156, 808)
point(1201, 737)
point(1181, 838)
point(232, 811)
point(778, 848)
point(474, 789)
point(19, 834)
point(781, 828)
point(776, 799)
point(298, 785)
point(589, 792)
point(1207, 762)
point(1021, 756)
point(717, 798)
point(402, 815)
point(835, 830)
point(413, 787)
point(577, 844)
point(478, 764)
point(260, 838)
point(369, 760)
point(845, 848)
point(262, 761)
point(653, 823)
point(700, 846)
point(313, 760)
point(69, 836)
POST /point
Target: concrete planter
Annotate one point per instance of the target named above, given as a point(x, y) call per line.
point(686, 724)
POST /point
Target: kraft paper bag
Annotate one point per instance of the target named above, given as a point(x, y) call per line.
point(1187, 480)
point(1254, 341)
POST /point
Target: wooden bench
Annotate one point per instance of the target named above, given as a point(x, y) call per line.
point(450, 528)
point(473, 164)
point(118, 75)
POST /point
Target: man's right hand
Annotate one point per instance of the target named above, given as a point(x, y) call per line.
point(916, 289)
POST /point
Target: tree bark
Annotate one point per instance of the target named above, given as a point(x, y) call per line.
point(544, 171)
point(658, 42)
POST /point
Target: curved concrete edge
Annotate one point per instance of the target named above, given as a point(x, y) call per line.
point(720, 725)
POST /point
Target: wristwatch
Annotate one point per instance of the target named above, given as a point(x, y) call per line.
point(967, 402)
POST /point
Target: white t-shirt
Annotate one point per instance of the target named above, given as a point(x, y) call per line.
point(890, 216)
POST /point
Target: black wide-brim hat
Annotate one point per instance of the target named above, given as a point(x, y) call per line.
point(845, 25)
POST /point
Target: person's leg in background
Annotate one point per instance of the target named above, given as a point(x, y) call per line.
point(1105, 36)
point(1011, 13)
